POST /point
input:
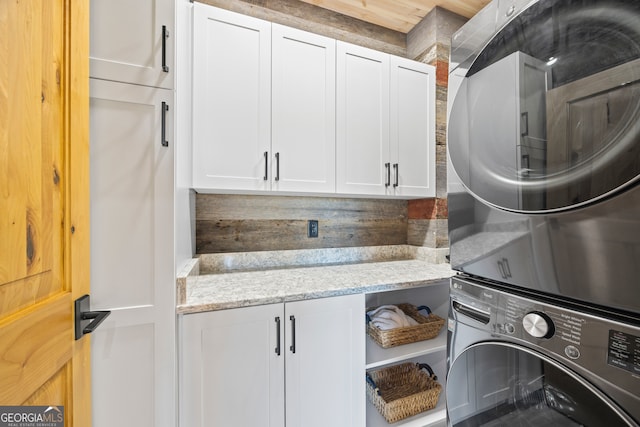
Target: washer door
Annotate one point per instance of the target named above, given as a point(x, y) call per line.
point(547, 117)
point(500, 384)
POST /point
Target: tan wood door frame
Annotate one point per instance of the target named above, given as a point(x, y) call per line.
point(44, 204)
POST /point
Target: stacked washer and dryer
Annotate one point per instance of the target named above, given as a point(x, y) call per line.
point(544, 215)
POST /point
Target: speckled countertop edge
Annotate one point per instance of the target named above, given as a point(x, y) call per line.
point(266, 260)
point(242, 289)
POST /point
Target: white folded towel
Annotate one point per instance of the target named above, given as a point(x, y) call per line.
point(388, 317)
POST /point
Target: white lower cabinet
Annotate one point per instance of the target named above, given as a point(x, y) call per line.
point(432, 352)
point(298, 363)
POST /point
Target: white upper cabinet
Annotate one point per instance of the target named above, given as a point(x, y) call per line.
point(363, 165)
point(264, 105)
point(385, 125)
point(231, 100)
point(131, 41)
point(303, 111)
point(280, 109)
point(412, 128)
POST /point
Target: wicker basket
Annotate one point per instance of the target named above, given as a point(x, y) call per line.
point(403, 390)
point(428, 327)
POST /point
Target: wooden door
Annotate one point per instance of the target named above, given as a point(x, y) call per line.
point(44, 204)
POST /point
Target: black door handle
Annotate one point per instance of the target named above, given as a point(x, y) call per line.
point(165, 36)
point(266, 165)
point(395, 168)
point(163, 125)
point(387, 166)
point(87, 321)
point(292, 347)
point(278, 335)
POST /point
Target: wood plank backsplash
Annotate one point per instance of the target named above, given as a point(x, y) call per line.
point(237, 223)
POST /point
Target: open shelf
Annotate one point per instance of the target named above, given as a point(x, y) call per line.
point(378, 356)
point(433, 351)
point(435, 417)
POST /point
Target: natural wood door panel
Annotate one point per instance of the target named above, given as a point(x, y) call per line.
point(44, 210)
point(399, 15)
point(33, 345)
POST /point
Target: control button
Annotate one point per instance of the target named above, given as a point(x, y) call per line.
point(509, 328)
point(572, 352)
point(538, 324)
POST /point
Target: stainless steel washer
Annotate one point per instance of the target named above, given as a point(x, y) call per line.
point(517, 359)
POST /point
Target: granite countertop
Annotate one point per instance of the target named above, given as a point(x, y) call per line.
point(199, 292)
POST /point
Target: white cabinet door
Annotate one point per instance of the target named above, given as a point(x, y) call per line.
point(362, 122)
point(325, 362)
point(303, 111)
point(231, 373)
point(234, 365)
point(132, 41)
point(133, 352)
point(412, 128)
point(231, 100)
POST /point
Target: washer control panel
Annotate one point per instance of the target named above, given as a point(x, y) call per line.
point(607, 347)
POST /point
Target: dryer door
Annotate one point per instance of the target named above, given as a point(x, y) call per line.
point(501, 384)
point(546, 116)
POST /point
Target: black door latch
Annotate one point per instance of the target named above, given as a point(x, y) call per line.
point(87, 321)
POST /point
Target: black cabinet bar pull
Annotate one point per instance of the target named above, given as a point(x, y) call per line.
point(278, 335)
point(395, 169)
point(163, 131)
point(293, 334)
point(165, 36)
point(266, 166)
point(387, 166)
point(277, 166)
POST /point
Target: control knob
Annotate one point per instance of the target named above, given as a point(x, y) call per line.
point(538, 325)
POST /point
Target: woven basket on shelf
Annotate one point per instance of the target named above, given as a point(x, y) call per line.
point(428, 327)
point(403, 390)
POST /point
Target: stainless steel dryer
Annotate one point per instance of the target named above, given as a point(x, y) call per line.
point(516, 360)
point(544, 148)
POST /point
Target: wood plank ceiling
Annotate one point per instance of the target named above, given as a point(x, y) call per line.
point(398, 15)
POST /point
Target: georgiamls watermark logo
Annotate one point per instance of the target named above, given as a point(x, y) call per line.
point(31, 416)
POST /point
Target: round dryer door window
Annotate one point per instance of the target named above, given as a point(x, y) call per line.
point(500, 384)
point(547, 116)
